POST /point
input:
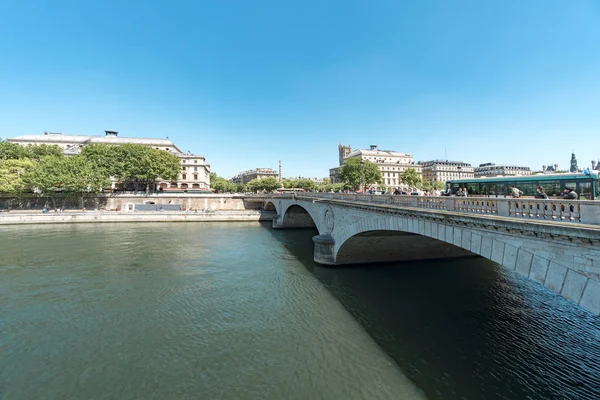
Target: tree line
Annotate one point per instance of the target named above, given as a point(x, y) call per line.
point(45, 170)
point(353, 174)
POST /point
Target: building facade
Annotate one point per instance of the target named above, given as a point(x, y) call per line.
point(194, 173)
point(491, 169)
point(258, 173)
point(390, 163)
point(442, 171)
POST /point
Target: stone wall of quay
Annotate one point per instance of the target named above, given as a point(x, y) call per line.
point(120, 202)
point(17, 218)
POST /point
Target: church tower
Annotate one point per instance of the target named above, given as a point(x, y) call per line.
point(343, 152)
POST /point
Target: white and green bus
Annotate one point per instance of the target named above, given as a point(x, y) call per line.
point(587, 185)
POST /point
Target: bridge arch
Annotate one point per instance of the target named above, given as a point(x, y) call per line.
point(269, 206)
point(394, 245)
point(560, 256)
point(296, 216)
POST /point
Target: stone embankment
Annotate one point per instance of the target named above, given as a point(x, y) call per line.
point(16, 218)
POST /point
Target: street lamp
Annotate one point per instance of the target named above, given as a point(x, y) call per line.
point(362, 166)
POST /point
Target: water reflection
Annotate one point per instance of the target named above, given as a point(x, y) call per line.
point(466, 328)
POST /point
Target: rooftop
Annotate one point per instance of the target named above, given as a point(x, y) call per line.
point(378, 153)
point(444, 162)
point(110, 137)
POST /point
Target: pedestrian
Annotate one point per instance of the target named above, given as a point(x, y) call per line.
point(569, 193)
point(515, 192)
point(540, 193)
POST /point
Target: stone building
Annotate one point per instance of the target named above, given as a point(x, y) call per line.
point(258, 173)
point(442, 171)
point(390, 163)
point(491, 169)
point(194, 174)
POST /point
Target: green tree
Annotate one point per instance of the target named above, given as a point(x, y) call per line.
point(144, 166)
point(73, 175)
point(290, 183)
point(42, 150)
point(268, 184)
point(353, 173)
point(11, 175)
point(306, 184)
point(12, 151)
point(84, 178)
point(410, 177)
point(338, 187)
point(325, 187)
point(104, 157)
point(222, 185)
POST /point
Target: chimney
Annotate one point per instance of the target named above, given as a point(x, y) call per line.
point(555, 167)
point(544, 169)
point(593, 164)
point(373, 147)
point(111, 133)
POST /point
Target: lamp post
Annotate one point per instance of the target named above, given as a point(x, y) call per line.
point(362, 166)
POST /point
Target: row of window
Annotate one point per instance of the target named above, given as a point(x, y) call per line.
point(185, 168)
point(465, 169)
point(383, 160)
point(184, 176)
point(174, 185)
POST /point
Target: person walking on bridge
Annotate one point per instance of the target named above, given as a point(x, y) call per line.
point(516, 192)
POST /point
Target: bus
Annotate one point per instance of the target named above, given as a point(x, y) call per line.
point(587, 185)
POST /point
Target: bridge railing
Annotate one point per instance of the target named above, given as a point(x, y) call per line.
point(577, 211)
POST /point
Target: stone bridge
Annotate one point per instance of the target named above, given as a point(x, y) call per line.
point(553, 242)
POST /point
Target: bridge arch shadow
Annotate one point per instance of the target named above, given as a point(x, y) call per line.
point(269, 206)
point(392, 246)
point(296, 216)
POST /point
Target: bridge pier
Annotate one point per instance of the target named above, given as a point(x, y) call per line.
point(277, 221)
point(324, 249)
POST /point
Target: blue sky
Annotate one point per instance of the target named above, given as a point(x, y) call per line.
point(248, 83)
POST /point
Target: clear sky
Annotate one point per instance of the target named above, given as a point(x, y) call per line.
point(248, 83)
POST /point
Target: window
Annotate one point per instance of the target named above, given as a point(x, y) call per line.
point(585, 190)
point(195, 168)
point(195, 177)
point(183, 176)
point(195, 161)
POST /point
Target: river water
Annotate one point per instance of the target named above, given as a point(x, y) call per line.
point(240, 311)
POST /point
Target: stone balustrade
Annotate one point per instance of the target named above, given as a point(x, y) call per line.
point(559, 210)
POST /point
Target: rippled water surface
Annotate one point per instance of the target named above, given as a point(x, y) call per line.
point(239, 311)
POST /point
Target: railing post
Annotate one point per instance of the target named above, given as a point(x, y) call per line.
point(450, 206)
point(503, 207)
point(590, 213)
point(414, 201)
